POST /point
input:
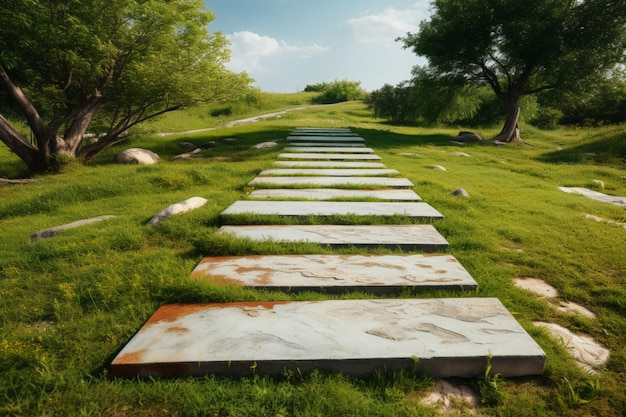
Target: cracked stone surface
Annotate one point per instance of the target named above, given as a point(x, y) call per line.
point(337, 273)
point(447, 337)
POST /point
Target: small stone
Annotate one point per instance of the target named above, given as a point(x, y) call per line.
point(137, 156)
point(264, 145)
point(598, 183)
point(461, 154)
point(449, 398)
point(573, 308)
point(437, 167)
point(187, 146)
point(208, 145)
point(468, 137)
point(460, 192)
point(457, 143)
point(229, 141)
point(178, 208)
point(43, 234)
point(537, 286)
point(187, 155)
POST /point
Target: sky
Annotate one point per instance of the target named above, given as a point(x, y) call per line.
point(286, 45)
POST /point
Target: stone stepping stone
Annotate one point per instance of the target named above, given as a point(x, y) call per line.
point(337, 273)
point(327, 138)
point(595, 195)
point(330, 156)
point(333, 193)
point(338, 134)
point(337, 172)
point(329, 164)
point(327, 144)
point(422, 237)
point(422, 211)
point(323, 129)
point(329, 149)
point(333, 181)
point(442, 337)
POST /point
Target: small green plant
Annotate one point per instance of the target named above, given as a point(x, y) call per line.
point(489, 386)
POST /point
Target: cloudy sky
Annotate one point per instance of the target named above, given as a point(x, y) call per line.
point(286, 44)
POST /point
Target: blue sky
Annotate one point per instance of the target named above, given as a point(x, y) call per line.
point(286, 44)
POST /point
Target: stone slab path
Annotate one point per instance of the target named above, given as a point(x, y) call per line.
point(341, 156)
point(330, 172)
point(423, 211)
point(328, 164)
point(378, 274)
point(328, 149)
point(451, 338)
point(332, 181)
point(328, 138)
point(595, 195)
point(327, 144)
point(421, 237)
point(334, 193)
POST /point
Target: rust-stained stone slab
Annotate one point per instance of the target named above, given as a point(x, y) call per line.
point(448, 337)
point(422, 237)
point(332, 181)
point(330, 172)
point(330, 156)
point(423, 211)
point(329, 164)
point(334, 193)
point(337, 273)
point(328, 149)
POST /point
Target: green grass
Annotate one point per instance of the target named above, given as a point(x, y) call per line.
point(69, 303)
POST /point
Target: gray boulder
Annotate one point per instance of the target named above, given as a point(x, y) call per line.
point(137, 156)
point(468, 137)
point(264, 145)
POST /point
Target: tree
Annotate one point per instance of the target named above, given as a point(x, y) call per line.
point(521, 48)
point(67, 66)
point(338, 91)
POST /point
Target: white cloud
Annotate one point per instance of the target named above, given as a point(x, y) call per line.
point(386, 26)
point(251, 51)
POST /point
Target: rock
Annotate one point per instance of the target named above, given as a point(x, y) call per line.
point(468, 137)
point(598, 183)
point(43, 234)
point(137, 156)
point(178, 208)
point(20, 181)
point(187, 146)
point(537, 287)
point(460, 192)
point(187, 155)
point(264, 145)
point(437, 167)
point(229, 141)
point(208, 145)
point(450, 398)
point(456, 143)
point(461, 154)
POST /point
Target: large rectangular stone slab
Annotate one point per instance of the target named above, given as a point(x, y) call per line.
point(330, 156)
point(327, 138)
point(423, 211)
point(422, 237)
point(330, 172)
point(329, 149)
point(329, 164)
point(333, 181)
point(377, 274)
point(328, 144)
point(335, 193)
point(316, 130)
point(445, 338)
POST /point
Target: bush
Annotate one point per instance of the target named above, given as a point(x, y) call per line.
point(337, 91)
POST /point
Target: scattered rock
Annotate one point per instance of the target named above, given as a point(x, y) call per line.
point(264, 145)
point(187, 146)
point(468, 137)
point(21, 181)
point(229, 141)
point(457, 143)
point(537, 287)
point(43, 234)
point(450, 398)
point(595, 195)
point(602, 220)
point(588, 353)
point(208, 145)
point(598, 183)
point(460, 192)
point(573, 308)
point(437, 167)
point(222, 158)
point(187, 155)
point(137, 156)
point(178, 208)
point(461, 154)
point(410, 154)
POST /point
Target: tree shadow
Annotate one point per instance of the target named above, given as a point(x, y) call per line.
point(607, 149)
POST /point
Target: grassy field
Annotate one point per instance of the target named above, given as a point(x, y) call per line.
point(69, 303)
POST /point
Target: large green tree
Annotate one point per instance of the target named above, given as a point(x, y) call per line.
point(67, 66)
point(521, 47)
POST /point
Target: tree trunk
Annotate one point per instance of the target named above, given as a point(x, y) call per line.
point(510, 130)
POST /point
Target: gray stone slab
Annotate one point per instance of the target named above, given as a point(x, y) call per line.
point(377, 274)
point(327, 144)
point(327, 138)
point(330, 172)
point(322, 129)
point(451, 337)
point(333, 181)
point(330, 156)
point(595, 195)
point(406, 237)
point(329, 149)
point(329, 164)
point(413, 210)
point(334, 193)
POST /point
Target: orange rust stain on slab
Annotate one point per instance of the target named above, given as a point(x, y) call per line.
point(424, 266)
point(177, 329)
point(131, 357)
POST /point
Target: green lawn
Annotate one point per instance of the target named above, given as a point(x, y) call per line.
point(69, 303)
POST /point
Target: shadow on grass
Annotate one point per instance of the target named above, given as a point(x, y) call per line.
point(606, 148)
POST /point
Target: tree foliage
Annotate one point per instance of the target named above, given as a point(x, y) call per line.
point(336, 92)
point(521, 48)
point(67, 66)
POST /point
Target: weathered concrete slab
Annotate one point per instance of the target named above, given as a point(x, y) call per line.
point(377, 274)
point(326, 138)
point(330, 172)
point(334, 193)
point(595, 195)
point(333, 181)
point(329, 149)
point(328, 144)
point(329, 164)
point(330, 156)
point(322, 129)
point(422, 211)
point(406, 237)
point(443, 337)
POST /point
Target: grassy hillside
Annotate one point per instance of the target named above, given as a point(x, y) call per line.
point(69, 303)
